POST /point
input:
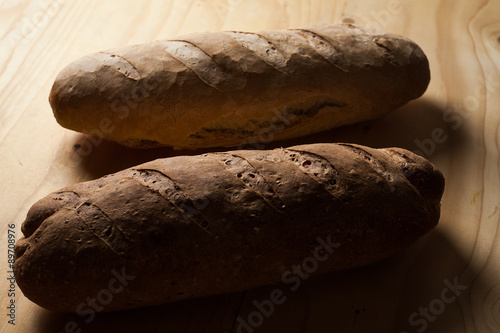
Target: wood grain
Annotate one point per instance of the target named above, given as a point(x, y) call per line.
point(455, 124)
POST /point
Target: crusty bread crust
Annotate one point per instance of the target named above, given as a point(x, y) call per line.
point(192, 226)
point(224, 88)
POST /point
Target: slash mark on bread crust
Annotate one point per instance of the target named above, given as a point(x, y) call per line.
point(261, 47)
point(317, 167)
point(106, 216)
point(93, 231)
point(324, 48)
point(164, 186)
point(250, 177)
point(376, 165)
point(119, 64)
point(197, 60)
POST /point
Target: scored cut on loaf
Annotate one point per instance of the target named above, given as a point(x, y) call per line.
point(194, 226)
point(229, 88)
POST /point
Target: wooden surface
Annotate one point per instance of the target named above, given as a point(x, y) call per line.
point(455, 124)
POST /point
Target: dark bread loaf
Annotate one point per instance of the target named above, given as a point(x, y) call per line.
point(192, 226)
point(228, 88)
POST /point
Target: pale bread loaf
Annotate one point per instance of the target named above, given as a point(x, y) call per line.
point(227, 88)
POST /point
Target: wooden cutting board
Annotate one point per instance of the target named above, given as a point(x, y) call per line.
point(447, 282)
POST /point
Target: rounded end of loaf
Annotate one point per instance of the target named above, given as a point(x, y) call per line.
point(419, 74)
point(34, 254)
point(403, 61)
point(48, 256)
point(95, 94)
point(409, 59)
point(73, 93)
point(424, 176)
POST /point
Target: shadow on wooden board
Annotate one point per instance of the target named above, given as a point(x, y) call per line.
point(421, 126)
point(423, 288)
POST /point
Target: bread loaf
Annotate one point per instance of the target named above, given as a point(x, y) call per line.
point(230, 88)
point(192, 226)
